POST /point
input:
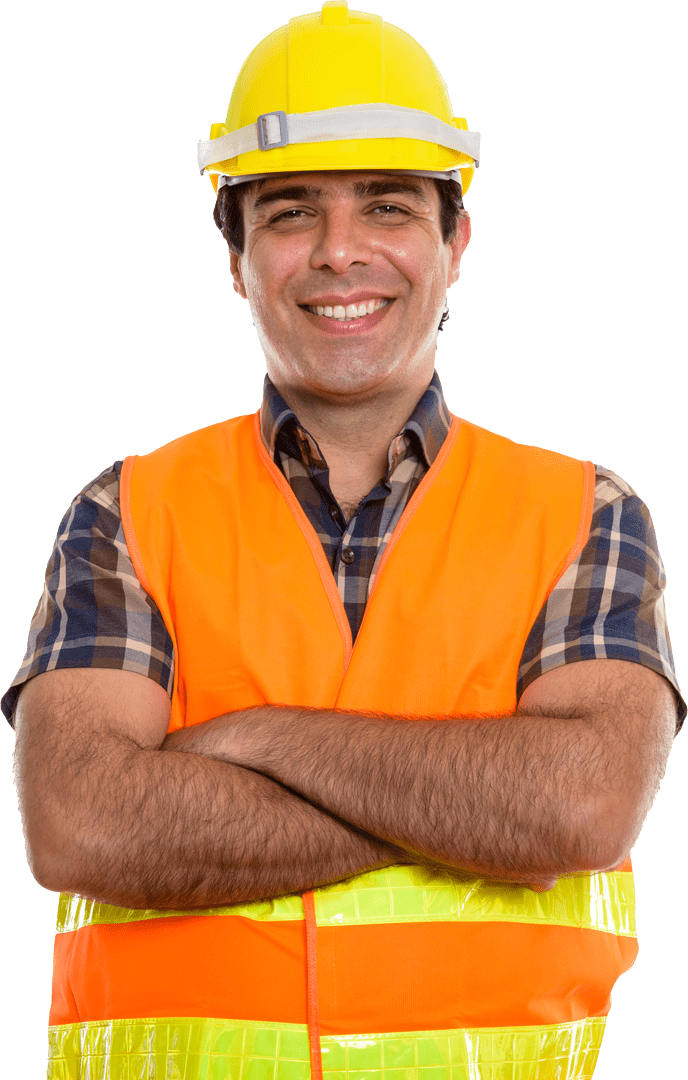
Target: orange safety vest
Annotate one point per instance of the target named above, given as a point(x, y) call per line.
point(455, 977)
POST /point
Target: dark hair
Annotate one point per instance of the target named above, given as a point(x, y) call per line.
point(229, 219)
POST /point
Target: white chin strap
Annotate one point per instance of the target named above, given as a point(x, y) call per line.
point(379, 121)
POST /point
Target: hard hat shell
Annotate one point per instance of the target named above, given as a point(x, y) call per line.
point(339, 58)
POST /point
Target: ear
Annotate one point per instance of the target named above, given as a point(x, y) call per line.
point(458, 246)
point(235, 264)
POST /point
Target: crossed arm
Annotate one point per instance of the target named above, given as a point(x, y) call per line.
point(273, 800)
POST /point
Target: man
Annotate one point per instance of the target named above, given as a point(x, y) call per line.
point(373, 781)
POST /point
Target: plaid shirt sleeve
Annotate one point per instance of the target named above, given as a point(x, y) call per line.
point(609, 604)
point(93, 612)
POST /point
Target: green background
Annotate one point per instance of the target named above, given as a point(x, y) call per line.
point(122, 329)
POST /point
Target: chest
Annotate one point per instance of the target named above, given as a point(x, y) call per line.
point(242, 581)
point(349, 488)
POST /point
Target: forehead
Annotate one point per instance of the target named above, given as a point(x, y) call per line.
point(340, 185)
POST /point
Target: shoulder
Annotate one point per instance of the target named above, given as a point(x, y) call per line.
point(611, 488)
point(97, 502)
point(621, 521)
point(540, 471)
point(214, 439)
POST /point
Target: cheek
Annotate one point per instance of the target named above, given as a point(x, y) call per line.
point(273, 266)
point(420, 263)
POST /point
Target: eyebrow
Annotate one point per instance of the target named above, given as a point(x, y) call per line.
point(361, 189)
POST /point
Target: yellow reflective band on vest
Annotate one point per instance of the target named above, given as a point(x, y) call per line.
point(198, 1049)
point(75, 912)
point(407, 894)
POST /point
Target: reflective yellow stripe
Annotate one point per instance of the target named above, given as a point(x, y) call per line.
point(408, 894)
point(199, 1049)
point(73, 912)
point(413, 894)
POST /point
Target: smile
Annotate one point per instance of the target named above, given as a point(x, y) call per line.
point(350, 312)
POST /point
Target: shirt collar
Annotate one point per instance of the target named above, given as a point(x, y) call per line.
point(429, 422)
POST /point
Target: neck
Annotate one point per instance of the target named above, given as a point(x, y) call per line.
point(353, 436)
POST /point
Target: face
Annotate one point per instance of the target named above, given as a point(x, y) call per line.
point(332, 240)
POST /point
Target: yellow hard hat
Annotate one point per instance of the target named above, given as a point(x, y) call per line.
point(339, 89)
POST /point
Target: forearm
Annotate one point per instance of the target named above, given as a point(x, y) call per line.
point(500, 797)
point(151, 829)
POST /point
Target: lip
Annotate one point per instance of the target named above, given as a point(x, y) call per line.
point(342, 328)
point(342, 301)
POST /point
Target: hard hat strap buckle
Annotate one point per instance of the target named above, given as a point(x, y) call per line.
point(267, 130)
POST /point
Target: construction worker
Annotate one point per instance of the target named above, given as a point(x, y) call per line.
point(371, 807)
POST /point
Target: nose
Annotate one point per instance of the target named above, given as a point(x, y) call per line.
point(341, 240)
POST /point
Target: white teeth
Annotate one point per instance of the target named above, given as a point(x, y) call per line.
point(351, 311)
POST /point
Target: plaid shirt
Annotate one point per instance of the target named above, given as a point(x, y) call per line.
point(94, 613)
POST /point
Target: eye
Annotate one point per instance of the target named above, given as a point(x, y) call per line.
point(392, 210)
point(286, 215)
point(387, 210)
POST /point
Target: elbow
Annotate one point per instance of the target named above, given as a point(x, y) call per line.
point(610, 836)
point(46, 868)
point(604, 858)
point(86, 868)
point(51, 868)
point(52, 858)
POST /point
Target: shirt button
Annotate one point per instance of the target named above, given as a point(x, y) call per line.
point(348, 555)
point(334, 512)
